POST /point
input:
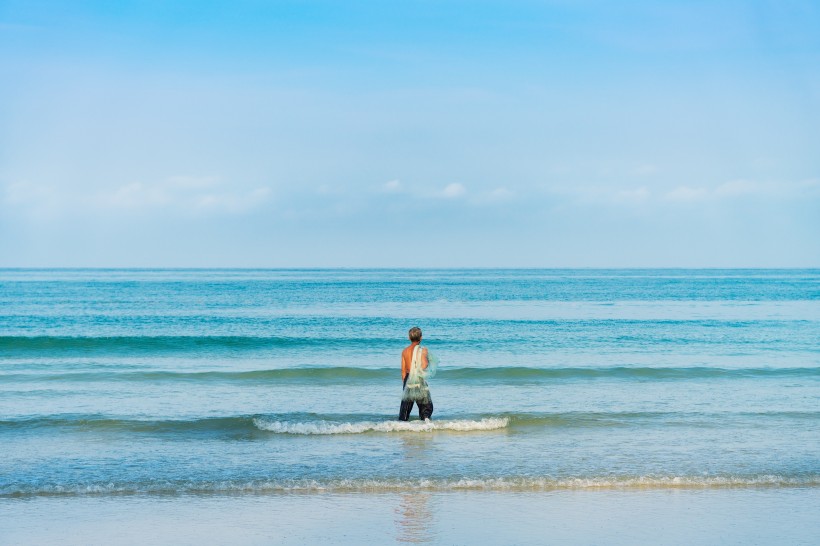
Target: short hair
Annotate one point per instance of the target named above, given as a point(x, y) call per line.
point(415, 333)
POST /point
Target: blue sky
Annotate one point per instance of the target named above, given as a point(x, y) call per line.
point(411, 133)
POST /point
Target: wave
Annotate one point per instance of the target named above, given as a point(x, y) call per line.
point(98, 423)
point(307, 424)
point(498, 375)
point(340, 373)
point(515, 421)
point(508, 483)
point(115, 336)
point(168, 344)
point(621, 372)
point(243, 426)
point(328, 427)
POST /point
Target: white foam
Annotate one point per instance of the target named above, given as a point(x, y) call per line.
point(329, 427)
point(421, 484)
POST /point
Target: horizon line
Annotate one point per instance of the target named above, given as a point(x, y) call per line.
point(393, 268)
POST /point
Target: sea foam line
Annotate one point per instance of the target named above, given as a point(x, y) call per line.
point(433, 485)
point(329, 427)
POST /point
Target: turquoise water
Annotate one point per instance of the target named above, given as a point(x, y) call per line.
point(120, 382)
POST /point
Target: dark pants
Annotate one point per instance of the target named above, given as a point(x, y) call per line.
point(425, 407)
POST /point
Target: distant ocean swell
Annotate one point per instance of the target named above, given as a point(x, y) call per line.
point(10, 345)
point(539, 334)
point(313, 424)
point(501, 374)
point(508, 483)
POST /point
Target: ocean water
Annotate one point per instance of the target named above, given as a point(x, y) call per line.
point(169, 382)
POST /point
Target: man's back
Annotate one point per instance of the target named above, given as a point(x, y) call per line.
point(407, 359)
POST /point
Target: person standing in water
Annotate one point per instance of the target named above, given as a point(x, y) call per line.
point(414, 363)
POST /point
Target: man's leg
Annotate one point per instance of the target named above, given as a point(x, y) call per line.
point(426, 409)
point(405, 409)
point(406, 405)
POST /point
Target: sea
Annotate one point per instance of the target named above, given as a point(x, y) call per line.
point(177, 387)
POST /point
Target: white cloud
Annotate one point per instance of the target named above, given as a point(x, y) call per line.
point(500, 194)
point(393, 186)
point(453, 191)
point(735, 189)
point(686, 194)
point(24, 193)
point(197, 194)
point(636, 195)
point(450, 191)
point(178, 193)
point(38, 201)
point(134, 195)
point(231, 202)
point(595, 194)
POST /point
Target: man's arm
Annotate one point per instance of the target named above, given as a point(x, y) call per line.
point(424, 361)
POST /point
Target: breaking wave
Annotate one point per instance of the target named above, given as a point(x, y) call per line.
point(325, 424)
point(329, 427)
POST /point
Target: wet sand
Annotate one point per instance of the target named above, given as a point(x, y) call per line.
point(683, 516)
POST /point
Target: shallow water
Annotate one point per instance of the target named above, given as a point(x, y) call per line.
point(132, 382)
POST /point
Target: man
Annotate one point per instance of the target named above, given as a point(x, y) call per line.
point(414, 362)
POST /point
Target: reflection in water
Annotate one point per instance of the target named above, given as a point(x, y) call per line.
point(414, 516)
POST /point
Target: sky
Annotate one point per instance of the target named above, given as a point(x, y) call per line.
point(406, 133)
